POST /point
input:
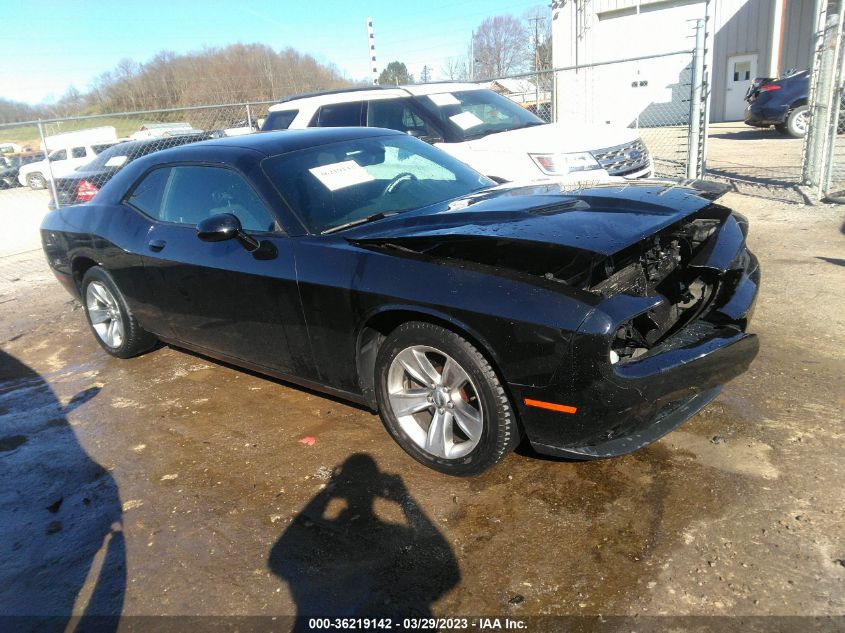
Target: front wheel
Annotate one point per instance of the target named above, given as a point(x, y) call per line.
point(441, 400)
point(112, 322)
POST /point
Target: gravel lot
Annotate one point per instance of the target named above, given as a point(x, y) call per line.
point(171, 484)
point(21, 211)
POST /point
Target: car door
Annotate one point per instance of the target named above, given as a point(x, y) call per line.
point(217, 296)
point(400, 114)
point(78, 157)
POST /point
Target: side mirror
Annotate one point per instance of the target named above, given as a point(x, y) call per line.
point(225, 226)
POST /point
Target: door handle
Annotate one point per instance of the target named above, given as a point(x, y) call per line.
point(156, 245)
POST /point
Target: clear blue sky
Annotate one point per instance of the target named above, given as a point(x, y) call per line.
point(51, 45)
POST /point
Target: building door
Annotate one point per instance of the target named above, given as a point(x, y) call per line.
point(742, 69)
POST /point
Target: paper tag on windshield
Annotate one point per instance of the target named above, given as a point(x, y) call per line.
point(465, 120)
point(444, 99)
point(339, 175)
point(457, 205)
point(116, 161)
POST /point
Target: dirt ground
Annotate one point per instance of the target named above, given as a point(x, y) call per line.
point(171, 484)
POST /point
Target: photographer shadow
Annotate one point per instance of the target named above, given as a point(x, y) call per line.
point(62, 551)
point(340, 559)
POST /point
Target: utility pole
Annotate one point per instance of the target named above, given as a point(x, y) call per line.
point(536, 21)
point(472, 57)
point(372, 40)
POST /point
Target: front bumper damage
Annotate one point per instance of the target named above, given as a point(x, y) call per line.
point(622, 407)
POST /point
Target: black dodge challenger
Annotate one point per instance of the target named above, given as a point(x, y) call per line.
point(369, 265)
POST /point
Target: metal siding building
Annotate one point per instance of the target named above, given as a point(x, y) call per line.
point(746, 38)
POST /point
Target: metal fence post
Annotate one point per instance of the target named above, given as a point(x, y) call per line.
point(49, 164)
point(248, 117)
point(835, 82)
point(823, 91)
point(694, 147)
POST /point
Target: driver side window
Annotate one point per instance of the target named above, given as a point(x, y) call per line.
point(394, 114)
point(188, 194)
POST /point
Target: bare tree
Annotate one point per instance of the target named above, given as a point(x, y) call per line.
point(425, 75)
point(233, 74)
point(455, 69)
point(501, 46)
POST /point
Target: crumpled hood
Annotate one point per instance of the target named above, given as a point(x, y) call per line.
point(603, 220)
point(555, 137)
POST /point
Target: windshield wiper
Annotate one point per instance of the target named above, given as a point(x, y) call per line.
point(364, 220)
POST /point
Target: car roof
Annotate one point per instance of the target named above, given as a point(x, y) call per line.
point(127, 147)
point(370, 92)
point(281, 141)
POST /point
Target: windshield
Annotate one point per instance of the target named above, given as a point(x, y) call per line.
point(476, 113)
point(330, 185)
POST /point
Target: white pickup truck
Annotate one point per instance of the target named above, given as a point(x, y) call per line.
point(487, 131)
point(66, 152)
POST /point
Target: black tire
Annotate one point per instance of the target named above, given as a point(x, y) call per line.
point(36, 180)
point(781, 128)
point(796, 125)
point(135, 340)
point(499, 429)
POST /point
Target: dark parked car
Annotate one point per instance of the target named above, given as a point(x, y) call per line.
point(370, 265)
point(782, 103)
point(10, 166)
point(84, 183)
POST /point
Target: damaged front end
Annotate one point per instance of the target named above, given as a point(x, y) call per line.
point(674, 267)
point(668, 334)
point(668, 287)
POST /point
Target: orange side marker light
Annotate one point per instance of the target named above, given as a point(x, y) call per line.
point(551, 406)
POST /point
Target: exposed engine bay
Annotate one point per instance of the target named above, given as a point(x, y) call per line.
point(660, 266)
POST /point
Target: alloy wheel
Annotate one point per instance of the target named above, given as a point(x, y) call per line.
point(801, 121)
point(104, 313)
point(435, 402)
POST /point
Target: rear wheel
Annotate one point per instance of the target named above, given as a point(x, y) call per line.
point(113, 324)
point(36, 180)
point(441, 401)
point(797, 122)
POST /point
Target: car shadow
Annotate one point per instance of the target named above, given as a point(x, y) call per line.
point(362, 547)
point(60, 514)
point(751, 134)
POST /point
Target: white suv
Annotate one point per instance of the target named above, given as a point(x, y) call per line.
point(489, 132)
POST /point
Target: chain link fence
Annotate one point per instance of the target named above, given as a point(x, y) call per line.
point(649, 96)
point(652, 96)
point(44, 164)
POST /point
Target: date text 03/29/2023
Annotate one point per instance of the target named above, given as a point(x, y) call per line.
point(421, 624)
